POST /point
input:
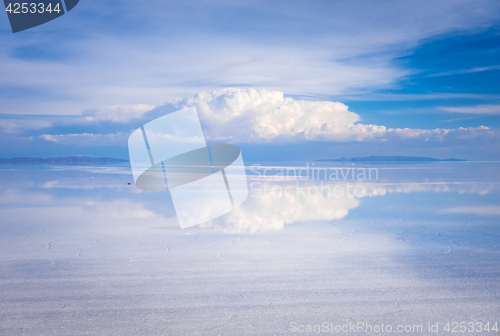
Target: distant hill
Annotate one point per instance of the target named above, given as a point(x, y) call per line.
point(60, 160)
point(388, 159)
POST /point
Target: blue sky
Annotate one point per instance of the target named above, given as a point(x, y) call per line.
point(411, 78)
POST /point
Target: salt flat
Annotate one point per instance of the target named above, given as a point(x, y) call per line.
point(83, 253)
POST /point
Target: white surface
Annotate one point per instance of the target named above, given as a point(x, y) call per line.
point(201, 201)
point(83, 253)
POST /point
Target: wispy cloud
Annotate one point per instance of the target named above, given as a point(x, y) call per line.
point(465, 71)
point(368, 96)
point(117, 113)
point(20, 125)
point(320, 49)
point(478, 109)
point(86, 139)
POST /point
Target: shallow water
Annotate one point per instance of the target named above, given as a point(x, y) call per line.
point(84, 253)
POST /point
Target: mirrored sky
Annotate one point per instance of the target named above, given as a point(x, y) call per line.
point(79, 247)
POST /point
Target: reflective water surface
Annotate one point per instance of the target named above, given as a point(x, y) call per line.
point(84, 253)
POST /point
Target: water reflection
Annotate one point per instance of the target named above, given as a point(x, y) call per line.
point(275, 200)
point(82, 250)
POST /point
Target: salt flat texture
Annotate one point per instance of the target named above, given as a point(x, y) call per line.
point(83, 253)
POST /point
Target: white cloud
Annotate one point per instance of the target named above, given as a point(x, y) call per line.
point(478, 109)
point(466, 71)
point(235, 115)
point(86, 139)
point(117, 113)
point(12, 126)
point(249, 115)
point(418, 96)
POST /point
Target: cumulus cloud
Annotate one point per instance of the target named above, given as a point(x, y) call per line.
point(249, 115)
point(235, 115)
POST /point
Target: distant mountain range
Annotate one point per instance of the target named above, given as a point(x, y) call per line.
point(60, 160)
point(89, 160)
point(388, 159)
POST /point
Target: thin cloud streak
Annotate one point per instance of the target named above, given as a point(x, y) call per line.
point(478, 109)
point(465, 71)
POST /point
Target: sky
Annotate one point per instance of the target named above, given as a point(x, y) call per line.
point(284, 80)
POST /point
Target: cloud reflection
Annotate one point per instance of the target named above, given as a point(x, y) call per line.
point(96, 196)
point(273, 205)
